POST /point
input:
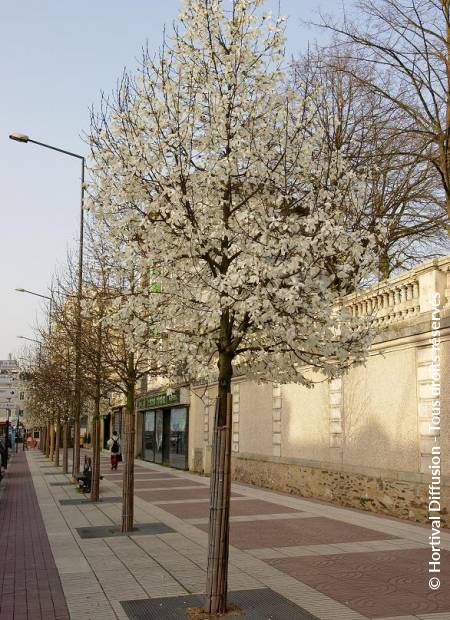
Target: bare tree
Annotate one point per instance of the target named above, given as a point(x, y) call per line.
point(111, 362)
point(404, 190)
point(403, 47)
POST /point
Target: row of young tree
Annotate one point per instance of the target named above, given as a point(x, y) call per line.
point(236, 198)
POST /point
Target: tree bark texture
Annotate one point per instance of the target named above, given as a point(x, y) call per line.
point(95, 486)
point(65, 462)
point(76, 450)
point(220, 487)
point(48, 440)
point(57, 442)
point(128, 452)
point(52, 441)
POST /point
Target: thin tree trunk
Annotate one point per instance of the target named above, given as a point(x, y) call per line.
point(47, 446)
point(446, 139)
point(52, 441)
point(95, 486)
point(76, 450)
point(220, 487)
point(43, 439)
point(384, 266)
point(128, 453)
point(57, 442)
point(65, 462)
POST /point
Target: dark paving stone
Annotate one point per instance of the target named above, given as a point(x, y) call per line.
point(199, 510)
point(159, 484)
point(50, 465)
point(107, 531)
point(375, 584)
point(139, 476)
point(293, 532)
point(52, 473)
point(61, 484)
point(79, 501)
point(259, 604)
point(171, 494)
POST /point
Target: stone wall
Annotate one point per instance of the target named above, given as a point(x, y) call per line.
point(363, 440)
point(407, 499)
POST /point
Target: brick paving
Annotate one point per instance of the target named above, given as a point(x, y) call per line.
point(179, 493)
point(336, 563)
point(198, 510)
point(277, 533)
point(30, 587)
point(374, 583)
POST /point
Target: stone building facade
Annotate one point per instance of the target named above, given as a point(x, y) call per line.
point(365, 440)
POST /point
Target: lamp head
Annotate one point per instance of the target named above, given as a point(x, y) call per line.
point(19, 137)
point(20, 290)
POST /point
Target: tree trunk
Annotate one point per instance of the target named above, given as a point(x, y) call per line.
point(47, 443)
point(220, 486)
point(43, 439)
point(52, 441)
point(95, 486)
point(384, 266)
point(57, 442)
point(446, 140)
point(76, 450)
point(65, 462)
point(128, 452)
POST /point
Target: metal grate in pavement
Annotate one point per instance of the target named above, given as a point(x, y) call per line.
point(52, 473)
point(106, 531)
point(260, 604)
point(79, 500)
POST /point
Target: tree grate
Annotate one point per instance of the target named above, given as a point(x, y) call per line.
point(80, 501)
point(52, 473)
point(258, 604)
point(107, 531)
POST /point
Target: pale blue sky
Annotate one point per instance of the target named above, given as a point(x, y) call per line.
point(56, 57)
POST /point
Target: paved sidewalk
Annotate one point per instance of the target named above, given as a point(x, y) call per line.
point(336, 563)
point(30, 588)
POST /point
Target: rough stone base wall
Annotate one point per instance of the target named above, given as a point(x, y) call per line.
point(197, 464)
point(398, 498)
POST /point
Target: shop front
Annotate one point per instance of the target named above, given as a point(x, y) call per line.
point(165, 427)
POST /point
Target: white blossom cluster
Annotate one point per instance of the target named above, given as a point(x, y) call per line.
point(216, 187)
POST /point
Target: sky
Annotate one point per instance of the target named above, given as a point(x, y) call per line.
point(56, 59)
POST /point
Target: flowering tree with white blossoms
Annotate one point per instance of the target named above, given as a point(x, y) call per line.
point(215, 172)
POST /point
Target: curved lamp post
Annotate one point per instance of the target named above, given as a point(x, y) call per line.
point(33, 340)
point(20, 137)
point(50, 299)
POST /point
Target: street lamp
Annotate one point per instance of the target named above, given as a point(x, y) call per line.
point(20, 137)
point(24, 290)
point(33, 340)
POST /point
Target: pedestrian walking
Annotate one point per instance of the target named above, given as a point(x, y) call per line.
point(3, 456)
point(114, 448)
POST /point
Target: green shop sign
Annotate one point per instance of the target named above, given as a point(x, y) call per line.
point(160, 399)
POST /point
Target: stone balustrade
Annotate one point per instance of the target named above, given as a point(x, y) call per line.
point(404, 297)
